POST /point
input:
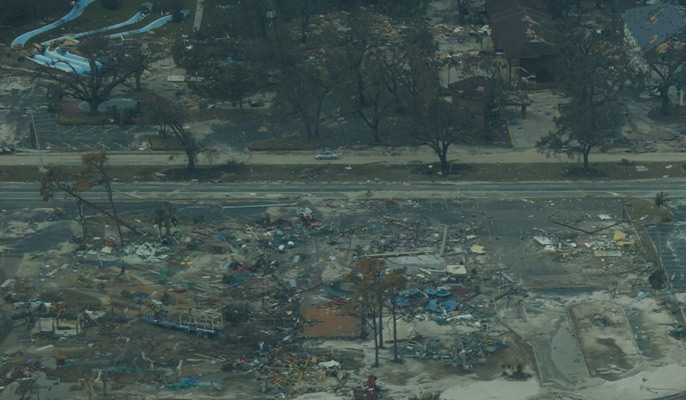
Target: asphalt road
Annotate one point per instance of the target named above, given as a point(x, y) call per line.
point(26, 194)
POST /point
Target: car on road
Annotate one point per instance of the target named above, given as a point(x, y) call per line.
point(327, 155)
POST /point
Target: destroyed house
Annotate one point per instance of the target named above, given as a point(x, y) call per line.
point(651, 29)
point(524, 32)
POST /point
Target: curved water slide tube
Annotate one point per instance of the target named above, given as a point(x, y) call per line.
point(75, 12)
point(154, 24)
point(137, 17)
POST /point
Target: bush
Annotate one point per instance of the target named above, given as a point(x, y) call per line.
point(657, 279)
point(111, 4)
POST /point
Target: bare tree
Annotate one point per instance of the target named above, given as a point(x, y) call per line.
point(582, 127)
point(305, 10)
point(139, 59)
point(95, 172)
point(357, 62)
point(302, 92)
point(598, 70)
point(232, 82)
point(409, 65)
point(108, 69)
point(170, 118)
point(394, 282)
point(55, 180)
point(437, 125)
point(370, 294)
point(463, 9)
point(668, 62)
point(494, 90)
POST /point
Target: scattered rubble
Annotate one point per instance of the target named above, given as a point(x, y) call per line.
point(261, 298)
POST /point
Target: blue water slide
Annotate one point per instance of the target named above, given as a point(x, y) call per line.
point(137, 17)
point(154, 24)
point(67, 58)
point(75, 12)
point(63, 61)
point(61, 65)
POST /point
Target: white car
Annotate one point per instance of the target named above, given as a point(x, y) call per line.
point(326, 155)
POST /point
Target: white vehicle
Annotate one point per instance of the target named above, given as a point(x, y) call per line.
point(326, 155)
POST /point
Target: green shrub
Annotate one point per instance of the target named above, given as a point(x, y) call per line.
point(657, 279)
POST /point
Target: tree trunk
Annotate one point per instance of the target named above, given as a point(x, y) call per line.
point(666, 108)
point(363, 324)
point(461, 11)
point(443, 156)
point(586, 160)
point(395, 330)
point(94, 104)
point(102, 211)
point(381, 322)
point(114, 210)
point(303, 29)
point(318, 114)
point(376, 343)
point(82, 217)
point(191, 161)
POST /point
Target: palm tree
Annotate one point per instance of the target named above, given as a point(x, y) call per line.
point(164, 216)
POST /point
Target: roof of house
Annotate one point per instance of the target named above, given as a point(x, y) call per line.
point(472, 88)
point(654, 24)
point(522, 28)
point(497, 7)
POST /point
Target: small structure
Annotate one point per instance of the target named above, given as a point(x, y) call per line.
point(468, 98)
point(208, 323)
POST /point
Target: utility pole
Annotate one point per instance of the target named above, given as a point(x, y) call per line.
point(34, 132)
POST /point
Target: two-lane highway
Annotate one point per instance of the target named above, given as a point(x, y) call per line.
point(26, 194)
